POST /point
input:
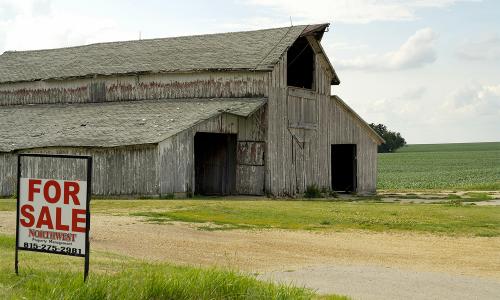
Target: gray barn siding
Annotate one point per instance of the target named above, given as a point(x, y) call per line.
point(50, 167)
point(176, 169)
point(8, 174)
point(116, 171)
point(176, 154)
point(295, 155)
point(284, 146)
point(176, 164)
point(138, 87)
point(252, 138)
point(299, 153)
point(345, 129)
point(277, 146)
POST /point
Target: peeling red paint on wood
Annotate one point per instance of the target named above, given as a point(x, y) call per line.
point(134, 88)
point(39, 96)
point(251, 153)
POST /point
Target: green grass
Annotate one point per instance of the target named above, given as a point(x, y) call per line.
point(474, 166)
point(453, 147)
point(44, 276)
point(478, 196)
point(7, 204)
point(450, 218)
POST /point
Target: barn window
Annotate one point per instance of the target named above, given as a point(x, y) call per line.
point(300, 71)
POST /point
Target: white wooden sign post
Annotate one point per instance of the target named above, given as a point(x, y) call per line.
point(53, 215)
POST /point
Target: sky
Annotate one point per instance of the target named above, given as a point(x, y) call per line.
point(429, 69)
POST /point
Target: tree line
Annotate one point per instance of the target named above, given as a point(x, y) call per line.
point(393, 140)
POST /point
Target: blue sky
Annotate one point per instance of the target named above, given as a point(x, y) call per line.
point(429, 69)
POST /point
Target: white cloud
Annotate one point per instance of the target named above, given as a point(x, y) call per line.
point(353, 11)
point(487, 48)
point(475, 100)
point(345, 46)
point(402, 106)
point(472, 114)
point(33, 25)
point(254, 23)
point(415, 93)
point(416, 52)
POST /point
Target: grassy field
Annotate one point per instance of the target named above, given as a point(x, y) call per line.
point(435, 218)
point(44, 276)
point(447, 219)
point(474, 166)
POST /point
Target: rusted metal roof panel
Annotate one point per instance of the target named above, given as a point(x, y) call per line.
point(110, 124)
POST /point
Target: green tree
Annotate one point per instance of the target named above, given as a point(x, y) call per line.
point(393, 140)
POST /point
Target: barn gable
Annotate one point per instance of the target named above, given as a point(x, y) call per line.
point(356, 118)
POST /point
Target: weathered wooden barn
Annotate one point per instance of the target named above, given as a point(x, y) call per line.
point(233, 113)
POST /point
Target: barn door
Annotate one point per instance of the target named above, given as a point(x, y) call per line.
point(344, 167)
point(215, 163)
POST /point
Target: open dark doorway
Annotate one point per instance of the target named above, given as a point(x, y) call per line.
point(300, 69)
point(215, 163)
point(344, 167)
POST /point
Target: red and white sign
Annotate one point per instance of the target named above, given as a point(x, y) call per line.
point(52, 216)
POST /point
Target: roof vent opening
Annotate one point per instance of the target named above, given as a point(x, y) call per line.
point(300, 69)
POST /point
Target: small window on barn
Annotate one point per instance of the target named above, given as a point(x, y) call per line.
point(300, 71)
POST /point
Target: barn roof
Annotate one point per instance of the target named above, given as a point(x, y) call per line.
point(110, 124)
point(360, 120)
point(248, 50)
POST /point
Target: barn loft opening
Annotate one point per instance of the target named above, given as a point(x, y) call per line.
point(300, 67)
point(344, 166)
point(215, 163)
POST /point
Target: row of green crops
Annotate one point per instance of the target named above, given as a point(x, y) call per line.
point(445, 166)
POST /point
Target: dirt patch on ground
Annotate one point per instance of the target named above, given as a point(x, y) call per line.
point(281, 250)
point(440, 197)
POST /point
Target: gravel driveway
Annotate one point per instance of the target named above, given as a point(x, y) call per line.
point(374, 282)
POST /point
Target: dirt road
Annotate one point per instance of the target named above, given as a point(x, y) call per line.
point(310, 258)
point(375, 282)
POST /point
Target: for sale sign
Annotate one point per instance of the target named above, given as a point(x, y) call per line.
point(53, 213)
point(52, 216)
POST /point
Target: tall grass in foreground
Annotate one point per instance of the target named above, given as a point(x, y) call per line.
point(44, 276)
point(147, 282)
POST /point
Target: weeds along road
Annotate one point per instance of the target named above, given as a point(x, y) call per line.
point(344, 260)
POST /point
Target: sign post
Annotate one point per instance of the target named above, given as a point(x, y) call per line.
point(53, 214)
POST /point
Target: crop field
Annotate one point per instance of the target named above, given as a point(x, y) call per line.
point(473, 166)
